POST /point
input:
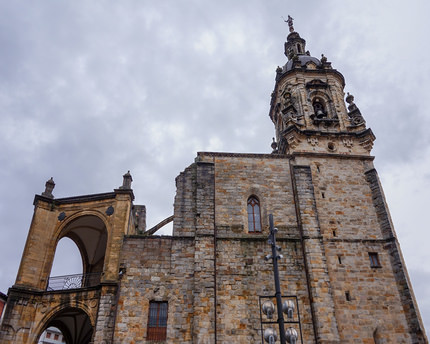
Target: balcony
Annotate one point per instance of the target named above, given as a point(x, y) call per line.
point(76, 281)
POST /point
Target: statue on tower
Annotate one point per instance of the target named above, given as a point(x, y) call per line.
point(289, 21)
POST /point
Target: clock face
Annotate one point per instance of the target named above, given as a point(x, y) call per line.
point(73, 282)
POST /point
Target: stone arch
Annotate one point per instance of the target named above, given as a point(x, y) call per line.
point(89, 232)
point(74, 322)
point(318, 96)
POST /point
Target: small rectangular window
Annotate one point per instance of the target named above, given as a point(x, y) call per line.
point(339, 258)
point(374, 260)
point(347, 296)
point(157, 321)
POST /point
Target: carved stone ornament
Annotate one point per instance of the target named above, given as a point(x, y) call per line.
point(367, 143)
point(347, 142)
point(43, 307)
point(93, 303)
point(316, 83)
point(313, 141)
point(293, 140)
point(354, 113)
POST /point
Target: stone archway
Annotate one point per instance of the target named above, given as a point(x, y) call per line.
point(89, 233)
point(74, 323)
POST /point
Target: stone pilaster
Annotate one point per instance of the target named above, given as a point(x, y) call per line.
point(204, 265)
point(413, 317)
point(321, 298)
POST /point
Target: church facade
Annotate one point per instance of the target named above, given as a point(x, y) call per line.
point(342, 268)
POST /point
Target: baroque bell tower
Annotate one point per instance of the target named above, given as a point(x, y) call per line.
point(308, 108)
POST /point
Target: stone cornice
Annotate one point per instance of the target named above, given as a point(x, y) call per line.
point(243, 155)
point(75, 199)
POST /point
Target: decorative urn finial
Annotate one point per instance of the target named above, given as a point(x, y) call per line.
point(274, 146)
point(126, 182)
point(49, 186)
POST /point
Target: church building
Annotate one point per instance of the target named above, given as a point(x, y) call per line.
point(341, 272)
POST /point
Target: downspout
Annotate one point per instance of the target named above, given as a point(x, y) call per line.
point(215, 262)
point(118, 290)
point(300, 226)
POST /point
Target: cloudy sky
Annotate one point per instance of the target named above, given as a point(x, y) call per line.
point(91, 89)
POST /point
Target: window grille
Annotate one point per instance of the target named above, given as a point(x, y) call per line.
point(157, 321)
point(374, 260)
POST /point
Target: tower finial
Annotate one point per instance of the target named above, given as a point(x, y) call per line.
point(289, 21)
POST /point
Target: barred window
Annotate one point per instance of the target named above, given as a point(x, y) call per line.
point(374, 260)
point(254, 218)
point(157, 321)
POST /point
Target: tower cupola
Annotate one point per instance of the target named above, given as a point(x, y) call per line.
point(308, 107)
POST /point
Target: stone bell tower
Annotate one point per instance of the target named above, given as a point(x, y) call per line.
point(308, 108)
point(357, 280)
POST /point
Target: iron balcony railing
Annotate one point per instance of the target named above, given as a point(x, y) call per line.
point(73, 281)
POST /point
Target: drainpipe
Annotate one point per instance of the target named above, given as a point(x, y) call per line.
point(215, 262)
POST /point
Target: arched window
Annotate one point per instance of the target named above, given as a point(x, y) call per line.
point(254, 218)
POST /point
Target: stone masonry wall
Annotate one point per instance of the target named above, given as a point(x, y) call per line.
point(367, 302)
point(212, 271)
point(393, 248)
point(157, 269)
point(242, 273)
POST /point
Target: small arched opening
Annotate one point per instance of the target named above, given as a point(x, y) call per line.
point(71, 324)
point(319, 108)
point(86, 237)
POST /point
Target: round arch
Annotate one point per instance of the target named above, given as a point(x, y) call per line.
point(74, 323)
point(320, 97)
point(89, 233)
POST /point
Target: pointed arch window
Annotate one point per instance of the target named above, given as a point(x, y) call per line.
point(254, 218)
